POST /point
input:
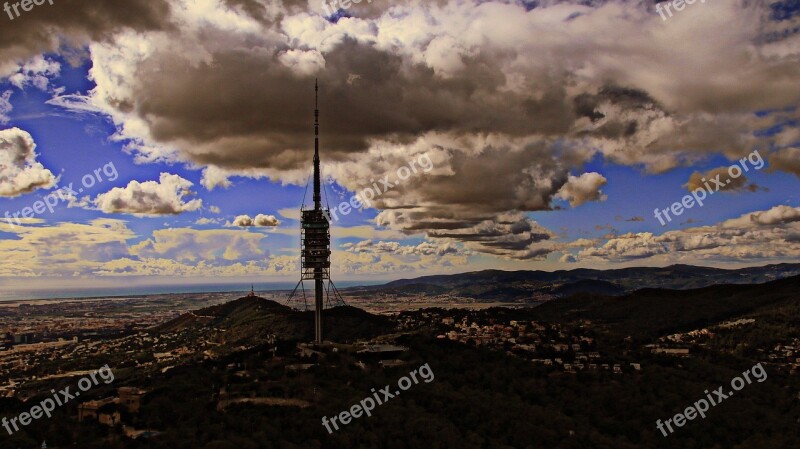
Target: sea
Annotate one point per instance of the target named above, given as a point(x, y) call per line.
point(7, 294)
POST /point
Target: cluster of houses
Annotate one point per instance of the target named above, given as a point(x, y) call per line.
point(107, 411)
point(139, 350)
point(787, 354)
point(567, 348)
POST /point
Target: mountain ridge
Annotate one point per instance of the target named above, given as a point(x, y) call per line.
point(532, 285)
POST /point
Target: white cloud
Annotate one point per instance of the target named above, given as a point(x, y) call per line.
point(150, 198)
point(5, 106)
point(36, 72)
point(19, 171)
point(207, 221)
point(261, 220)
point(423, 249)
point(214, 177)
point(191, 245)
point(368, 257)
point(769, 235)
point(584, 188)
point(778, 215)
point(63, 249)
point(105, 247)
point(568, 258)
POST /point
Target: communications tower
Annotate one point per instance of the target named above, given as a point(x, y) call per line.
point(315, 243)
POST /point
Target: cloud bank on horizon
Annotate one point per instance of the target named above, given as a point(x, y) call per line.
point(548, 123)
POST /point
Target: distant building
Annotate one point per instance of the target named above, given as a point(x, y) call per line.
point(681, 352)
point(134, 434)
point(91, 409)
point(391, 363)
point(381, 351)
point(22, 339)
point(7, 341)
point(130, 398)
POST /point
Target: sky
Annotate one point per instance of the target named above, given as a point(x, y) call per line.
point(171, 141)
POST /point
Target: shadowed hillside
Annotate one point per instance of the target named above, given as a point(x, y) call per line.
point(253, 318)
point(650, 312)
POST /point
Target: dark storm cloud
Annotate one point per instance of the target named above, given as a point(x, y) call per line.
point(252, 109)
point(77, 22)
point(245, 102)
point(511, 100)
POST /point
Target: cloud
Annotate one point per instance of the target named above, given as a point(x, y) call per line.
point(290, 213)
point(756, 236)
point(225, 86)
point(20, 173)
point(778, 215)
point(385, 257)
point(106, 248)
point(423, 249)
point(729, 183)
point(74, 24)
point(260, 220)
point(512, 236)
point(627, 247)
point(191, 245)
point(150, 198)
point(5, 106)
point(214, 177)
point(648, 110)
point(786, 159)
point(63, 249)
point(35, 72)
point(582, 189)
point(567, 258)
point(207, 221)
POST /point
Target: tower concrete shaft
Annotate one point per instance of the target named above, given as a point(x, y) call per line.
point(319, 274)
point(317, 180)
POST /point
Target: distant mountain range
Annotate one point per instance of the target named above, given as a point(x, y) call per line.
point(515, 286)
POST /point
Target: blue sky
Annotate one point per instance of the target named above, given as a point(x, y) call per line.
point(547, 153)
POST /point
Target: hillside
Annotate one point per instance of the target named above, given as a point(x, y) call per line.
point(649, 312)
point(252, 319)
point(221, 387)
point(514, 286)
